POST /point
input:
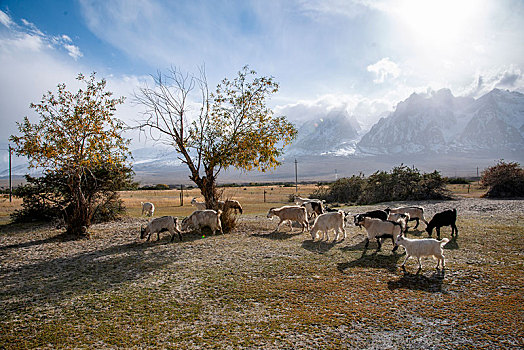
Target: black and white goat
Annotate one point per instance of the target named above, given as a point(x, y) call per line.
point(415, 213)
point(379, 229)
point(376, 214)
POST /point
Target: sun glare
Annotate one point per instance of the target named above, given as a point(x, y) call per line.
point(440, 23)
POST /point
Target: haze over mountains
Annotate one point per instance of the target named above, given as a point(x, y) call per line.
point(434, 130)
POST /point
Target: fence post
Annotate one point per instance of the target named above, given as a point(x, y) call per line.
point(264, 196)
point(181, 195)
point(296, 177)
point(10, 182)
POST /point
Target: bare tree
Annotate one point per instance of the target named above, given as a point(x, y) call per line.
point(232, 127)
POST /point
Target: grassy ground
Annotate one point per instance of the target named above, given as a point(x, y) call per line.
point(255, 288)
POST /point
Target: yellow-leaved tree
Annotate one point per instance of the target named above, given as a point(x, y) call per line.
point(230, 127)
point(77, 142)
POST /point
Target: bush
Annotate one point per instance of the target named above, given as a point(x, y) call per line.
point(157, 187)
point(504, 180)
point(402, 183)
point(47, 198)
point(228, 219)
point(457, 181)
point(343, 190)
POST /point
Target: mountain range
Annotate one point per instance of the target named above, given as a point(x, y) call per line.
point(441, 123)
point(433, 130)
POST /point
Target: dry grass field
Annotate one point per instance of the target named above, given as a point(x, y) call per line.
point(259, 289)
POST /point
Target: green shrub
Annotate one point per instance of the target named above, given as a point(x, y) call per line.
point(47, 198)
point(457, 181)
point(402, 183)
point(343, 190)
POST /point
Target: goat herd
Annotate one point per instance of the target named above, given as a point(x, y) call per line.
point(379, 224)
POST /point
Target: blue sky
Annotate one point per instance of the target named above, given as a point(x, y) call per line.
point(360, 55)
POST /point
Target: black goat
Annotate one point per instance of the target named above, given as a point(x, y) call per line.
point(444, 218)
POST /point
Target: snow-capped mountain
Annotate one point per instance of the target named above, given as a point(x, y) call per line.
point(440, 123)
point(457, 132)
point(148, 158)
point(333, 133)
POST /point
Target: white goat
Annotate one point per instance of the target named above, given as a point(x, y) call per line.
point(402, 219)
point(230, 204)
point(300, 200)
point(197, 204)
point(201, 218)
point(415, 213)
point(148, 208)
point(161, 224)
point(329, 221)
point(377, 228)
point(423, 247)
point(290, 213)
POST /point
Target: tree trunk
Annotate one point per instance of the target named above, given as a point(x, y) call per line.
point(206, 184)
point(208, 190)
point(78, 218)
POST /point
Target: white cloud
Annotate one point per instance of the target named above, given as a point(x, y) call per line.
point(31, 65)
point(5, 19)
point(511, 78)
point(384, 69)
point(366, 110)
point(73, 51)
point(327, 8)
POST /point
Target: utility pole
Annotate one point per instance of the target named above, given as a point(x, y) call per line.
point(10, 182)
point(296, 177)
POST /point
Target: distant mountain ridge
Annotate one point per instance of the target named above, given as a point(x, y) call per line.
point(457, 129)
point(424, 124)
point(440, 122)
point(334, 133)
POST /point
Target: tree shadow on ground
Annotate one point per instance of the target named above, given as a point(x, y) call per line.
point(62, 237)
point(52, 280)
point(416, 281)
point(373, 260)
point(278, 235)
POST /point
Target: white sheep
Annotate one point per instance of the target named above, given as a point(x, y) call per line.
point(402, 219)
point(423, 247)
point(202, 218)
point(290, 213)
point(148, 208)
point(329, 221)
point(378, 229)
point(161, 224)
point(415, 213)
point(197, 204)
